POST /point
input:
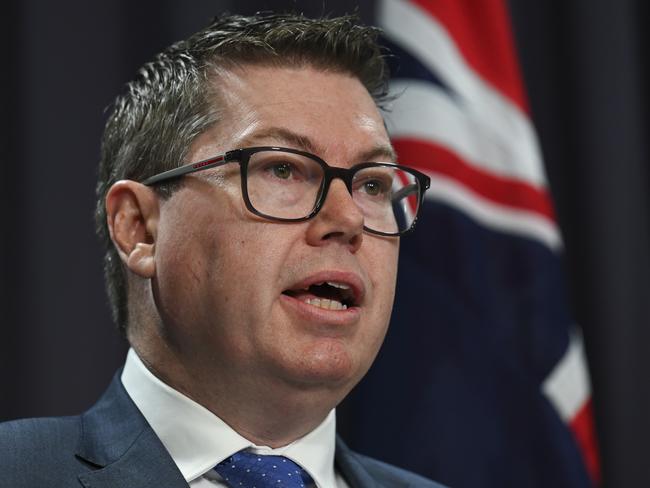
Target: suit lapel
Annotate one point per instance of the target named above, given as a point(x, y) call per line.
point(119, 443)
point(352, 469)
point(145, 465)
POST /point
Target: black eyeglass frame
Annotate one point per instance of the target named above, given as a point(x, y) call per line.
point(242, 156)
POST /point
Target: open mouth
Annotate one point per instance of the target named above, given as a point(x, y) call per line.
point(329, 295)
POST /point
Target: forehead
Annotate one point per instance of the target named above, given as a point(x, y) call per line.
point(325, 112)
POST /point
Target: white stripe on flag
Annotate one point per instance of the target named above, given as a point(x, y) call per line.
point(428, 40)
point(424, 111)
point(568, 385)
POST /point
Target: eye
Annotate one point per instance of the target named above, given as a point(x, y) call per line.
point(375, 185)
point(282, 170)
point(372, 187)
point(276, 167)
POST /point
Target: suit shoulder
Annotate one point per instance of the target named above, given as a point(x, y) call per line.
point(392, 475)
point(22, 441)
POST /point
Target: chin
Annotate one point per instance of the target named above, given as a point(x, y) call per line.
point(327, 364)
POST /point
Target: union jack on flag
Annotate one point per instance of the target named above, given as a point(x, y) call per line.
point(482, 382)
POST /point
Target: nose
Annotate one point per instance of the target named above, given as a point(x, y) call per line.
point(340, 220)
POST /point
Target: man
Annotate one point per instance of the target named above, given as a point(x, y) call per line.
point(251, 215)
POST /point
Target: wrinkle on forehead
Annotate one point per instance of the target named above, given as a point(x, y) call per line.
point(260, 105)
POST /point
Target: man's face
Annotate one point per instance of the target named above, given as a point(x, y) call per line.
point(232, 287)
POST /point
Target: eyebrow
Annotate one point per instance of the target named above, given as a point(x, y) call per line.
point(283, 136)
point(304, 143)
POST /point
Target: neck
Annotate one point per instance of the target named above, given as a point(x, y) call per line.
point(274, 426)
point(266, 412)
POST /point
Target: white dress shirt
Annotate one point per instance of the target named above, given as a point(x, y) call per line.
point(198, 440)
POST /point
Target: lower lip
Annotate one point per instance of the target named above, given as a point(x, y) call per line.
point(322, 316)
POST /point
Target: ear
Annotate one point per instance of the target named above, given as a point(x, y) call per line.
point(132, 217)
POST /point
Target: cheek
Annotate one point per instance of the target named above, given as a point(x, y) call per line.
point(191, 250)
point(382, 270)
point(250, 257)
point(187, 269)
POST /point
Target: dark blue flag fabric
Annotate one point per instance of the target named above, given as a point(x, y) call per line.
point(482, 382)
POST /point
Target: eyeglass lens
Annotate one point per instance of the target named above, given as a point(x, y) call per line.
point(287, 185)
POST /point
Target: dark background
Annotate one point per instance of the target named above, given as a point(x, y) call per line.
point(586, 66)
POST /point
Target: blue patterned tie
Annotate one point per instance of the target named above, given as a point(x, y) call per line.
point(249, 470)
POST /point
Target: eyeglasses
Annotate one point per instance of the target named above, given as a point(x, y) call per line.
point(288, 185)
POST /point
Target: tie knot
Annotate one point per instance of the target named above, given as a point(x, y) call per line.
point(249, 470)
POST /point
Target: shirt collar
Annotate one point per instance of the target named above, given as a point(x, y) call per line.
point(198, 440)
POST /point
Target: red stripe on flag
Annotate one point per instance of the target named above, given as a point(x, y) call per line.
point(482, 32)
point(501, 190)
point(582, 427)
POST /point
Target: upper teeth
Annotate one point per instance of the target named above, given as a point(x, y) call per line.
point(342, 286)
point(333, 284)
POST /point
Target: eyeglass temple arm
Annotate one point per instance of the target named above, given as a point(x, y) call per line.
point(405, 191)
point(186, 169)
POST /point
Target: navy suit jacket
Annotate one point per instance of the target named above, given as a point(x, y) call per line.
point(112, 446)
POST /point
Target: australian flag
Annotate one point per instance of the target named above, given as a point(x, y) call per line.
point(482, 381)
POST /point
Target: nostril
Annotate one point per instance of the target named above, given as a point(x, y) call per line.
point(352, 239)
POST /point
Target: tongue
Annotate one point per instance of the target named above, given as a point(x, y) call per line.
point(301, 294)
point(316, 291)
point(321, 300)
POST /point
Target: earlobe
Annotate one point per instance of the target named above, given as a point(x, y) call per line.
point(132, 218)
